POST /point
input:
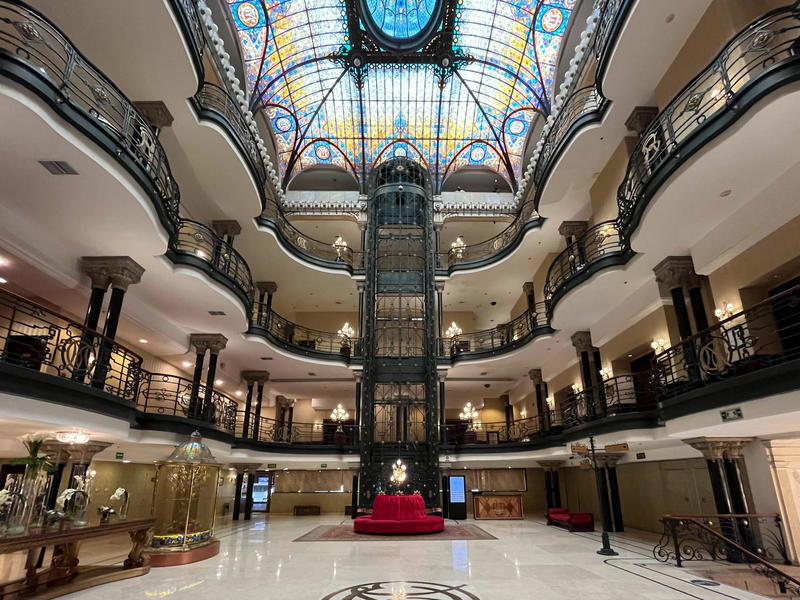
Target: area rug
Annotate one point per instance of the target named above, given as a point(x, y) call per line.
point(345, 533)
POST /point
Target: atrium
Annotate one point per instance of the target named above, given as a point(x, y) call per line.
point(508, 290)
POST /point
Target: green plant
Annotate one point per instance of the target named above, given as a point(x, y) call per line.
point(33, 443)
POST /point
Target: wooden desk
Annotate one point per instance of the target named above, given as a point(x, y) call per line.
point(64, 575)
point(497, 506)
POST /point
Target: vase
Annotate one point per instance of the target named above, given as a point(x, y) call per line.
point(77, 508)
point(122, 511)
point(27, 502)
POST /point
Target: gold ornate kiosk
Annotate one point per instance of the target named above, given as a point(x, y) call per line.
point(184, 505)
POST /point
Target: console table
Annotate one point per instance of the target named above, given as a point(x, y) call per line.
point(64, 575)
point(497, 506)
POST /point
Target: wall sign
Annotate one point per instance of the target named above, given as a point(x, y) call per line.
point(323, 466)
point(623, 447)
point(732, 414)
point(119, 455)
point(640, 456)
point(578, 449)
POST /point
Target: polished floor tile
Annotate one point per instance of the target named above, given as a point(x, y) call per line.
point(528, 560)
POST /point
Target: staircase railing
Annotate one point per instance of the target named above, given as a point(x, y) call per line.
point(740, 538)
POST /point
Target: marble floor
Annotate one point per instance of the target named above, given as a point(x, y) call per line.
point(528, 560)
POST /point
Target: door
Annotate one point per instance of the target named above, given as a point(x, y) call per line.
point(787, 319)
point(262, 491)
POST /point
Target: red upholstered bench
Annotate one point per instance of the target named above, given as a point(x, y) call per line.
point(398, 515)
point(561, 517)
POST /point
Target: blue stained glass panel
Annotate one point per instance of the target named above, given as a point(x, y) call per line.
point(401, 19)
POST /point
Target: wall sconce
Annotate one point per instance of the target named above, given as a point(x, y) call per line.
point(317, 426)
point(457, 247)
point(576, 388)
point(523, 413)
point(659, 345)
point(346, 331)
point(606, 373)
point(725, 311)
point(551, 402)
point(340, 246)
point(453, 330)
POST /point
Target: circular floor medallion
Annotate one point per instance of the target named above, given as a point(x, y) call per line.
point(402, 590)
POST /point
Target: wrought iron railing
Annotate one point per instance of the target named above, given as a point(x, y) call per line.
point(598, 243)
point(693, 116)
point(77, 86)
point(499, 432)
point(303, 338)
point(271, 431)
point(36, 338)
point(610, 13)
point(517, 331)
point(176, 396)
point(495, 246)
point(199, 242)
point(615, 395)
point(754, 539)
point(324, 253)
point(186, 10)
point(211, 97)
point(762, 336)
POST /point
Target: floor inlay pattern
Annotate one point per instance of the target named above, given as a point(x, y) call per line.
point(402, 590)
point(345, 533)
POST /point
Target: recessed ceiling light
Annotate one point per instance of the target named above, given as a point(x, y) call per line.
point(725, 193)
point(217, 313)
point(630, 355)
point(142, 341)
point(310, 374)
point(266, 358)
point(218, 382)
point(187, 363)
point(3, 280)
point(484, 373)
point(669, 18)
point(238, 392)
point(3, 261)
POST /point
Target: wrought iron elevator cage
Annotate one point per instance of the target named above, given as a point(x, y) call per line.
point(399, 404)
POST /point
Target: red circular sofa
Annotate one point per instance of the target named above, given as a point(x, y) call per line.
point(398, 515)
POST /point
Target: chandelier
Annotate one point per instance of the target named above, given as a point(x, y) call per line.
point(346, 331)
point(72, 437)
point(469, 412)
point(398, 472)
point(457, 247)
point(453, 330)
point(339, 414)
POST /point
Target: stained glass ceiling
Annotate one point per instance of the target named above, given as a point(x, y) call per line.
point(481, 116)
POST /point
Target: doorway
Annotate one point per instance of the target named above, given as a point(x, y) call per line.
point(787, 319)
point(262, 490)
point(641, 369)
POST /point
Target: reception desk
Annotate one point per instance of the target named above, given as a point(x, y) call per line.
point(497, 506)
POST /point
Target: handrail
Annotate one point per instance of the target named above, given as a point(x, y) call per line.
point(212, 97)
point(575, 262)
point(715, 543)
point(273, 431)
point(693, 115)
point(613, 396)
point(76, 85)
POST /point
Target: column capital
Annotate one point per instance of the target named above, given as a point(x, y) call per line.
point(361, 285)
point(155, 112)
point(550, 464)
point(439, 285)
point(117, 271)
point(266, 287)
point(284, 401)
point(582, 340)
point(676, 271)
point(215, 342)
point(255, 376)
point(226, 227)
point(527, 287)
point(572, 228)
point(609, 459)
point(442, 374)
point(719, 448)
point(61, 452)
point(640, 119)
point(536, 376)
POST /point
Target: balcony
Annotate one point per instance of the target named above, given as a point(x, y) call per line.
point(624, 398)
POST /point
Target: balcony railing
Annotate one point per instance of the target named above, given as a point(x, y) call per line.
point(80, 92)
point(747, 68)
point(212, 98)
point(509, 335)
point(614, 396)
point(599, 246)
point(499, 432)
point(175, 396)
point(271, 431)
point(499, 245)
point(297, 242)
point(201, 244)
point(766, 335)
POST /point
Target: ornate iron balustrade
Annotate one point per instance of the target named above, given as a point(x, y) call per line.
point(499, 245)
point(744, 71)
point(754, 539)
point(600, 245)
point(271, 431)
point(295, 241)
point(496, 432)
point(611, 14)
point(80, 92)
point(213, 98)
point(756, 338)
point(504, 337)
point(304, 339)
point(616, 395)
point(583, 106)
point(36, 338)
point(171, 395)
point(205, 247)
point(192, 24)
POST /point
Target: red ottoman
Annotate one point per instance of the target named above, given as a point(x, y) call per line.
point(398, 515)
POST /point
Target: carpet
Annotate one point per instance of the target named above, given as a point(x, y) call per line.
point(345, 533)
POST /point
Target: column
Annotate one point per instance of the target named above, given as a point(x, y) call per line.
point(261, 383)
point(784, 463)
point(527, 289)
point(100, 282)
point(241, 469)
point(609, 467)
point(253, 379)
point(590, 372)
point(227, 229)
point(542, 410)
point(442, 375)
point(552, 485)
point(120, 272)
point(357, 433)
point(359, 348)
point(572, 232)
point(193, 411)
point(248, 505)
point(440, 315)
point(640, 119)
point(203, 409)
point(509, 411)
point(266, 289)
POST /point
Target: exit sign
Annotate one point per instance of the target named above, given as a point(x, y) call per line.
point(119, 455)
point(732, 414)
point(323, 466)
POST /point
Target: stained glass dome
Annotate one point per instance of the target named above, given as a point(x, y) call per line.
point(401, 19)
point(481, 117)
